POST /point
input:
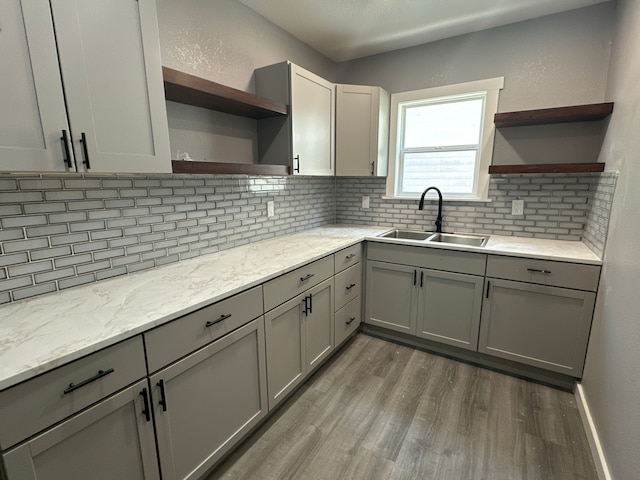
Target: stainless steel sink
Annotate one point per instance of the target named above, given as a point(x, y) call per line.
point(459, 239)
point(407, 234)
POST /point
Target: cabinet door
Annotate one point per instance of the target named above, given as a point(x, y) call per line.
point(32, 111)
point(362, 131)
point(113, 439)
point(546, 327)
point(312, 115)
point(391, 296)
point(449, 308)
point(110, 62)
point(286, 355)
point(206, 402)
point(318, 324)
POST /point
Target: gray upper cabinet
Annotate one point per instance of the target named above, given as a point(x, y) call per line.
point(208, 401)
point(113, 439)
point(115, 115)
point(362, 131)
point(304, 139)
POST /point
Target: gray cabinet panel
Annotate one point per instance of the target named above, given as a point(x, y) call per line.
point(211, 399)
point(347, 320)
point(176, 339)
point(428, 257)
point(110, 440)
point(544, 272)
point(318, 325)
point(449, 308)
point(348, 285)
point(34, 405)
point(347, 257)
point(546, 327)
point(391, 296)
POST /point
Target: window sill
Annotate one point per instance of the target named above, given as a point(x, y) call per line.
point(445, 199)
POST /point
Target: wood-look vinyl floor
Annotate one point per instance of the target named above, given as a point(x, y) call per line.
point(379, 410)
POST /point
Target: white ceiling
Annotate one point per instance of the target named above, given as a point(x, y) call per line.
point(348, 29)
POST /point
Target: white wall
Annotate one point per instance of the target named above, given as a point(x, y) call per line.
point(223, 41)
point(556, 60)
point(611, 380)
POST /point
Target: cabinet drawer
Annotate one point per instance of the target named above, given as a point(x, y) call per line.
point(347, 320)
point(347, 257)
point(281, 289)
point(426, 257)
point(38, 403)
point(348, 285)
point(545, 272)
point(174, 340)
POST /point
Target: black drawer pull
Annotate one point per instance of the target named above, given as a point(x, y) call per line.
point(97, 376)
point(350, 256)
point(421, 279)
point(350, 321)
point(349, 287)
point(146, 412)
point(537, 270)
point(65, 146)
point(163, 396)
point(85, 150)
point(223, 317)
point(307, 277)
point(415, 276)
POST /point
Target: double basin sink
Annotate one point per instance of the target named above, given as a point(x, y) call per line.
point(451, 238)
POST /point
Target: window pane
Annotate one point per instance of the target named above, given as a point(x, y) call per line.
point(443, 124)
point(451, 172)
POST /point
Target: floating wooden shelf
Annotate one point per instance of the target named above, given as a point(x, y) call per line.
point(191, 90)
point(181, 166)
point(545, 116)
point(547, 168)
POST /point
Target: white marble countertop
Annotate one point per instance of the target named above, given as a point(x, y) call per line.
point(41, 333)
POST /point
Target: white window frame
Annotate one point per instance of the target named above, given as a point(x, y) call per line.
point(492, 87)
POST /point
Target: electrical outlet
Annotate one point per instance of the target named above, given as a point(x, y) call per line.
point(365, 202)
point(271, 209)
point(517, 207)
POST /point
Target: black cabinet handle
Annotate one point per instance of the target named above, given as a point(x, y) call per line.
point(163, 396)
point(310, 303)
point(350, 321)
point(85, 150)
point(222, 317)
point(350, 256)
point(537, 270)
point(97, 376)
point(349, 287)
point(65, 146)
point(307, 277)
point(421, 279)
point(415, 277)
point(488, 287)
point(146, 412)
point(296, 159)
point(373, 164)
point(306, 306)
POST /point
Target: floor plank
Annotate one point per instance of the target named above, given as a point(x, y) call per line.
point(379, 410)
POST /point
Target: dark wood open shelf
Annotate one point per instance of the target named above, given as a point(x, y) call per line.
point(545, 116)
point(547, 168)
point(181, 166)
point(191, 90)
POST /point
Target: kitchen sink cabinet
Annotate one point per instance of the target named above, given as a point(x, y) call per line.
point(439, 305)
point(299, 337)
point(87, 97)
point(205, 403)
point(362, 131)
point(541, 321)
point(304, 139)
point(112, 439)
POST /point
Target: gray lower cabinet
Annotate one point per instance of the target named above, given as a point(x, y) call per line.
point(206, 402)
point(538, 325)
point(112, 439)
point(440, 306)
point(299, 337)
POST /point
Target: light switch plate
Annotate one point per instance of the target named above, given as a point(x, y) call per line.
point(517, 207)
point(365, 202)
point(270, 209)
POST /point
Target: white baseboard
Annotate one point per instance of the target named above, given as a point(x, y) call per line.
point(592, 435)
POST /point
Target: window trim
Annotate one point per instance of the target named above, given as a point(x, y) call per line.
point(491, 86)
